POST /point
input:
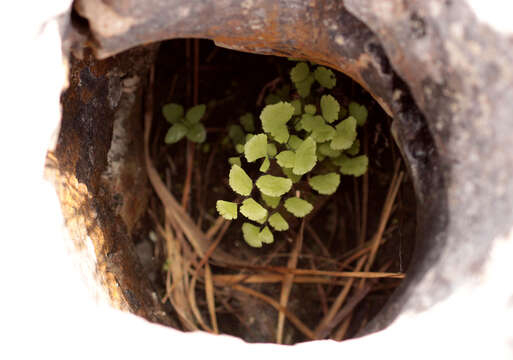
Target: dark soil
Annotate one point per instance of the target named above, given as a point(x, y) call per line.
point(230, 83)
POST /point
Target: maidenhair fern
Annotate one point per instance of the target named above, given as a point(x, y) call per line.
point(184, 124)
point(305, 139)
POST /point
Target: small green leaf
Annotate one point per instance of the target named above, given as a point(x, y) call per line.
point(345, 134)
point(298, 207)
point(239, 148)
point(235, 160)
point(197, 133)
point(299, 72)
point(172, 112)
point(251, 235)
point(359, 112)
point(305, 157)
point(253, 210)
point(274, 119)
point(297, 106)
point(271, 150)
point(265, 165)
point(356, 166)
point(227, 209)
point(195, 113)
point(304, 87)
point(286, 159)
point(266, 236)
point(248, 137)
point(325, 77)
point(294, 142)
point(273, 185)
point(175, 133)
point(337, 161)
point(323, 133)
point(325, 184)
point(354, 149)
point(239, 181)
point(278, 222)
point(256, 147)
point(271, 201)
point(248, 123)
point(236, 133)
point(272, 99)
point(288, 172)
point(310, 109)
point(326, 150)
point(329, 108)
point(309, 122)
point(297, 125)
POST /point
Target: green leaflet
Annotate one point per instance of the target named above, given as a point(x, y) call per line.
point(235, 160)
point(248, 123)
point(299, 72)
point(175, 133)
point(248, 137)
point(345, 134)
point(308, 122)
point(354, 149)
point(310, 109)
point(272, 99)
point(250, 233)
point(356, 166)
point(274, 119)
point(239, 181)
point(288, 172)
point(298, 207)
point(278, 222)
point(325, 77)
point(266, 236)
point(256, 147)
point(326, 150)
point(359, 112)
point(265, 165)
point(325, 184)
point(195, 113)
point(329, 108)
point(294, 142)
point(227, 209)
point(273, 185)
point(297, 106)
point(236, 133)
point(172, 112)
point(271, 201)
point(305, 157)
point(253, 210)
point(323, 132)
point(239, 148)
point(286, 159)
point(197, 133)
point(304, 87)
point(271, 150)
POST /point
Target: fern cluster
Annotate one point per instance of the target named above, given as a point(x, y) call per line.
point(184, 124)
point(303, 138)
